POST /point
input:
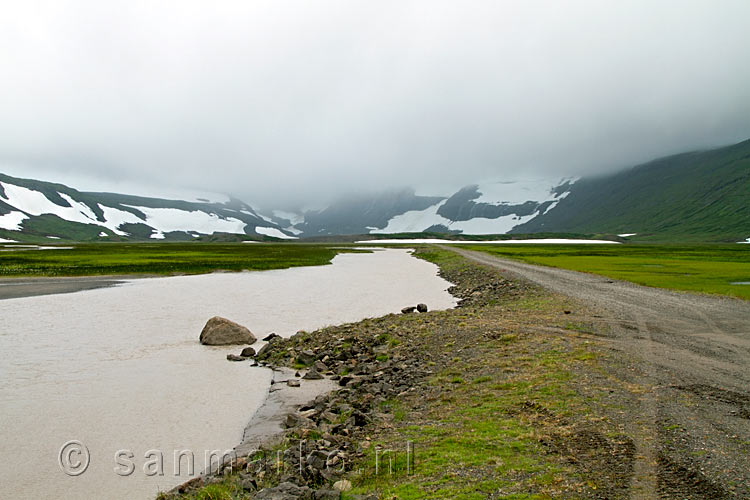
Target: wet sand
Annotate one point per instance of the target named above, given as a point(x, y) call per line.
point(14, 288)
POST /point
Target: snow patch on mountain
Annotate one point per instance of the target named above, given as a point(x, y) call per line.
point(414, 221)
point(506, 193)
point(500, 225)
point(115, 217)
point(519, 191)
point(274, 233)
point(36, 203)
point(12, 221)
point(165, 220)
point(537, 241)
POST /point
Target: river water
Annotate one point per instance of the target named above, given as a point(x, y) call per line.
point(121, 369)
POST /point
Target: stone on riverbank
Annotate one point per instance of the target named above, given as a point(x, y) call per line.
point(247, 352)
point(306, 358)
point(422, 308)
point(234, 357)
point(312, 375)
point(221, 331)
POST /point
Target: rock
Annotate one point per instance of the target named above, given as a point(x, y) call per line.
point(320, 366)
point(422, 308)
point(326, 494)
point(312, 374)
point(407, 310)
point(317, 459)
point(293, 382)
point(284, 491)
point(342, 485)
point(306, 358)
point(247, 352)
point(248, 484)
point(270, 336)
point(234, 357)
point(567, 312)
point(293, 420)
point(345, 380)
point(221, 331)
point(358, 419)
point(266, 349)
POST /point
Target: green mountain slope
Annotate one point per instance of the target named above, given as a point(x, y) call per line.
point(693, 196)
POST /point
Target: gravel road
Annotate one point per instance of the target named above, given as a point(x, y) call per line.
point(691, 353)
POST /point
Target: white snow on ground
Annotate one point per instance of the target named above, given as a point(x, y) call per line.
point(273, 232)
point(102, 234)
point(114, 217)
point(416, 221)
point(3, 240)
point(293, 230)
point(501, 225)
point(746, 241)
point(35, 203)
point(493, 242)
point(165, 220)
point(496, 193)
point(626, 235)
point(12, 221)
point(519, 191)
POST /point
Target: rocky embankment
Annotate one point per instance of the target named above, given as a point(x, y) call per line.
point(373, 362)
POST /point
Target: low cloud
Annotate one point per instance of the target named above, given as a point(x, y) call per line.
point(291, 102)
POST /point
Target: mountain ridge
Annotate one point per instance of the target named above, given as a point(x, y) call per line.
point(700, 196)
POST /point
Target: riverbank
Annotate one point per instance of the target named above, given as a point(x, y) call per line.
point(15, 288)
point(516, 393)
point(135, 346)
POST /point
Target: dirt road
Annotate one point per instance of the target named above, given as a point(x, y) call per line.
point(691, 355)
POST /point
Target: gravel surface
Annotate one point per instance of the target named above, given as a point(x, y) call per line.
point(691, 354)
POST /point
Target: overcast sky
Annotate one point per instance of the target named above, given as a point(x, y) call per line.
point(281, 102)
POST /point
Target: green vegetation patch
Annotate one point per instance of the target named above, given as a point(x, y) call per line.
point(161, 258)
point(695, 268)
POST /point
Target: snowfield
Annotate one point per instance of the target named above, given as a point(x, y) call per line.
point(165, 220)
point(494, 193)
point(556, 241)
point(12, 221)
point(520, 191)
point(35, 203)
point(30, 202)
point(274, 233)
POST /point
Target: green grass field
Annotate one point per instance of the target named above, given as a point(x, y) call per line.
point(160, 258)
point(694, 268)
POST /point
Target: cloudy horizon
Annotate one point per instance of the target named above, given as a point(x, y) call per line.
point(295, 102)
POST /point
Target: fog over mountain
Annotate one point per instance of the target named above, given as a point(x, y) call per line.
point(288, 103)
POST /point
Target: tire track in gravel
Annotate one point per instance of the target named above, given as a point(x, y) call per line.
point(691, 350)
